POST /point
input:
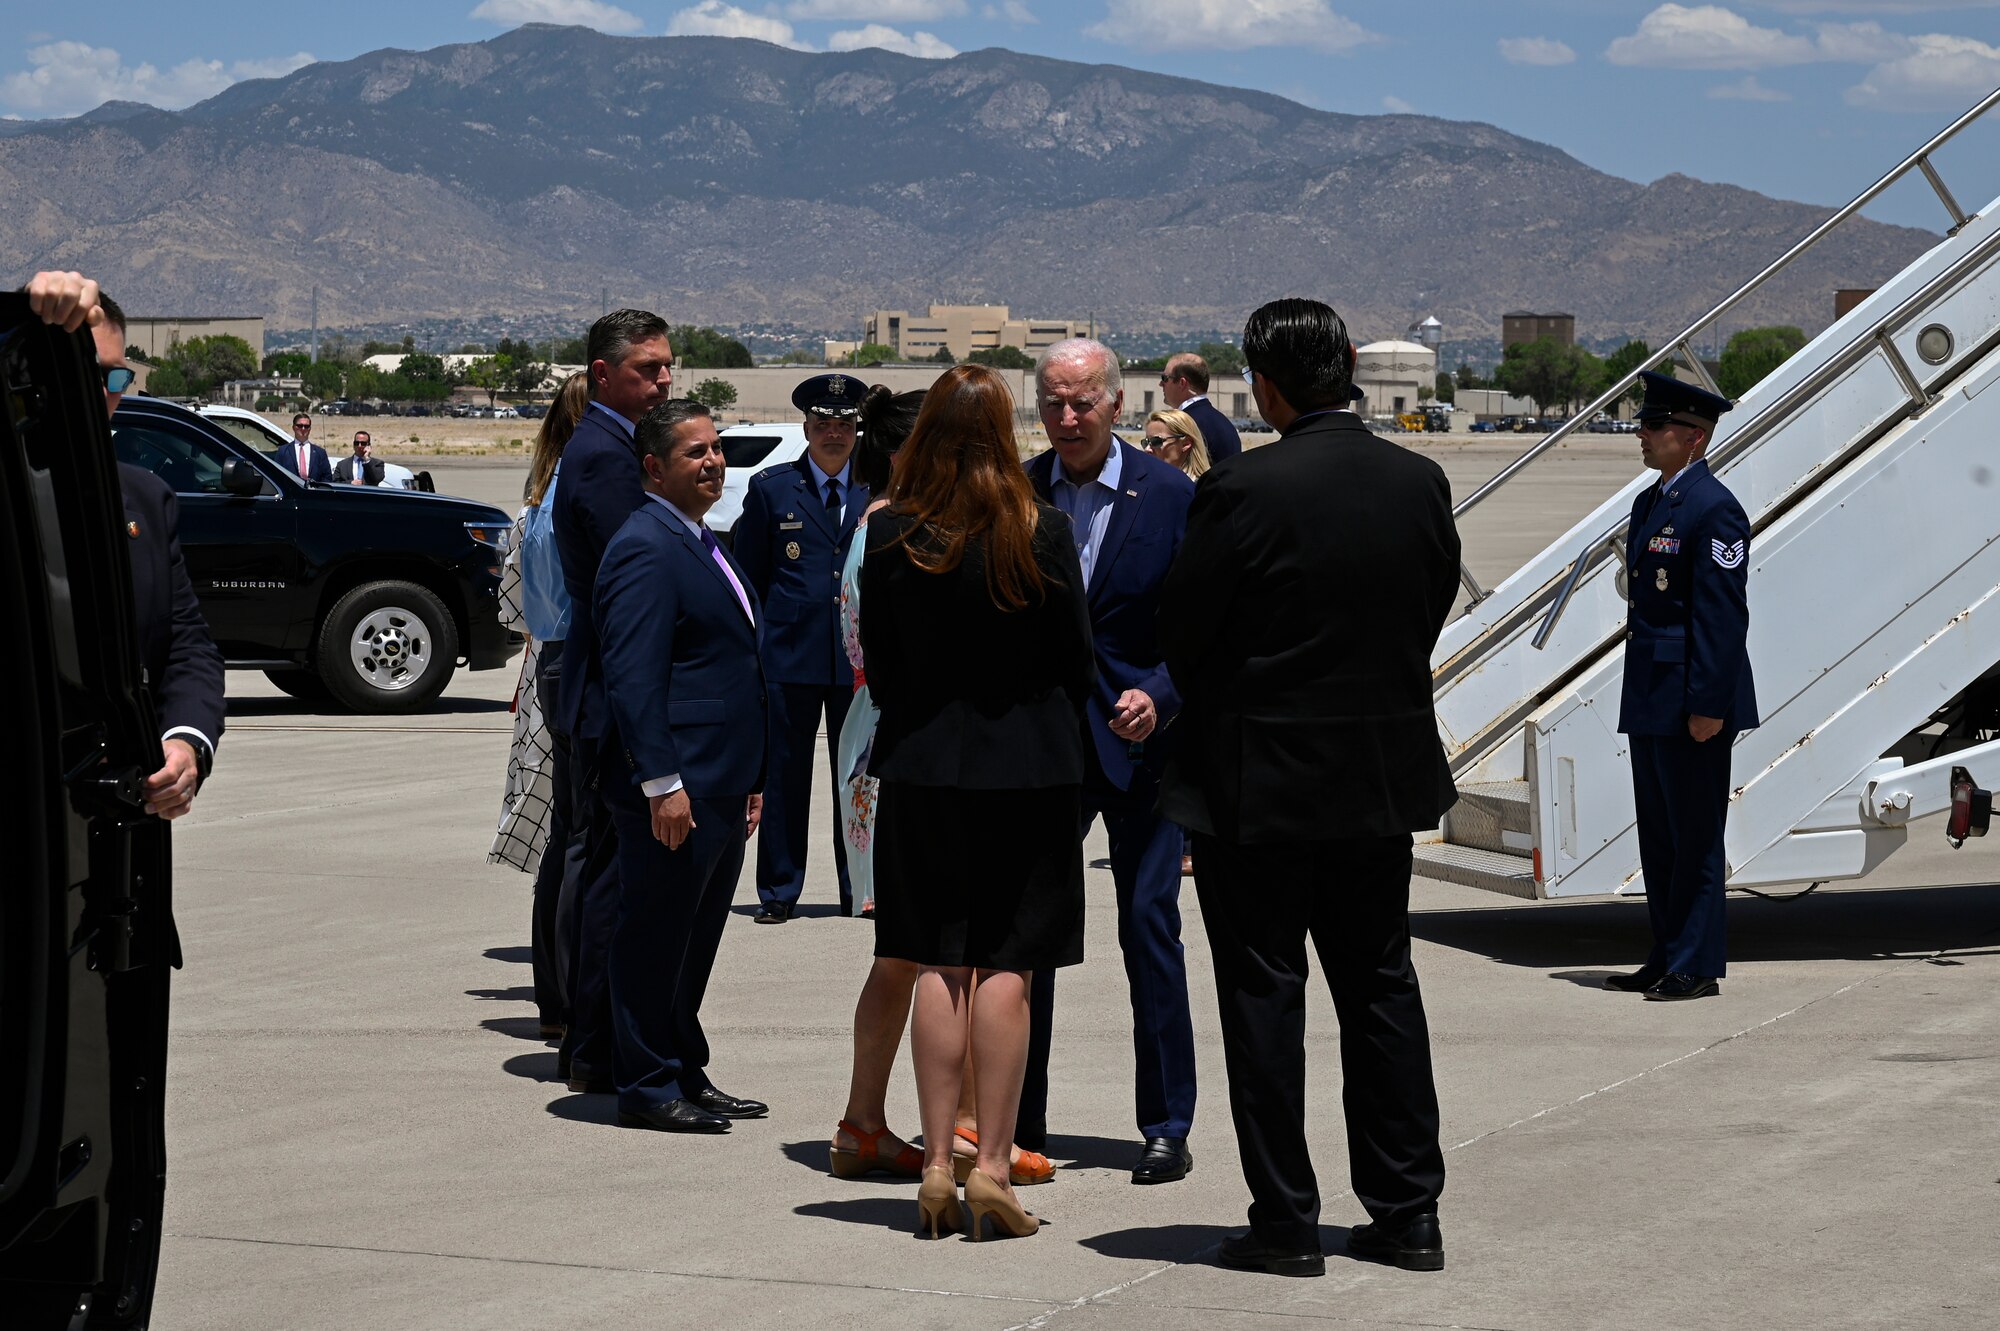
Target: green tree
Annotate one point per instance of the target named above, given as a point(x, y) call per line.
point(1145, 363)
point(167, 380)
point(570, 351)
point(1223, 359)
point(706, 349)
point(366, 382)
point(1002, 358)
point(943, 356)
point(1627, 359)
point(287, 364)
point(1425, 392)
point(870, 353)
point(205, 362)
point(1549, 373)
point(322, 380)
point(1467, 377)
point(488, 376)
point(475, 349)
point(1754, 353)
point(1446, 390)
point(134, 352)
point(800, 356)
point(422, 367)
point(715, 394)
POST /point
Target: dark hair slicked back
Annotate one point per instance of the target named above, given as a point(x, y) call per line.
point(655, 431)
point(1302, 347)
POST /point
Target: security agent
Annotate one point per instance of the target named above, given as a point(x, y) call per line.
point(1688, 691)
point(792, 540)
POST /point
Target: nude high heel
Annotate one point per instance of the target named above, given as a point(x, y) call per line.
point(984, 1197)
point(937, 1203)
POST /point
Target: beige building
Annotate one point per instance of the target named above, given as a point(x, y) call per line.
point(154, 335)
point(963, 329)
point(1527, 326)
point(1392, 376)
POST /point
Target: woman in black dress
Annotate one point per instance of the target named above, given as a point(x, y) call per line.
point(976, 644)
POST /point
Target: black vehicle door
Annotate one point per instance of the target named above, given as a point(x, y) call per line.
point(242, 551)
point(86, 930)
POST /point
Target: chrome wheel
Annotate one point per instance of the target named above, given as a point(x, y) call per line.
point(391, 648)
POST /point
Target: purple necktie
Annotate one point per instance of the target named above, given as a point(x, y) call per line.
point(709, 543)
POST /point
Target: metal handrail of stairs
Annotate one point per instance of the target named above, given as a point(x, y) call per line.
point(1683, 345)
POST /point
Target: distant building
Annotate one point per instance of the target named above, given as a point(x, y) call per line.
point(1429, 333)
point(836, 352)
point(1392, 376)
point(1521, 326)
point(154, 335)
point(963, 329)
point(239, 392)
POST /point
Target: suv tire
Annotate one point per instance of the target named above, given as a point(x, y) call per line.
point(387, 647)
point(301, 684)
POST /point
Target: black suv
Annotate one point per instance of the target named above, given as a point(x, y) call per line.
point(373, 596)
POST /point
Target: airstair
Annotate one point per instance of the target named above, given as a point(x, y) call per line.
point(1869, 464)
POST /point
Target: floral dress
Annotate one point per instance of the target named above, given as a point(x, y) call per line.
point(857, 737)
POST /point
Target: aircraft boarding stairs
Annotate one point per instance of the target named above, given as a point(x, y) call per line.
point(1869, 464)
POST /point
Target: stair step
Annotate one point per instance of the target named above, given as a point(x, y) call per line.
point(1492, 816)
point(1513, 875)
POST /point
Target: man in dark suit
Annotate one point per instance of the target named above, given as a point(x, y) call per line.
point(1688, 689)
point(183, 669)
point(631, 370)
point(302, 457)
point(1127, 512)
point(363, 467)
point(792, 538)
point(677, 638)
point(1184, 384)
point(1299, 621)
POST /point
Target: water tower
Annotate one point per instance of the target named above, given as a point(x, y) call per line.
point(1429, 333)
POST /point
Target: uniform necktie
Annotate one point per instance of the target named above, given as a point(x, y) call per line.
point(833, 500)
point(709, 544)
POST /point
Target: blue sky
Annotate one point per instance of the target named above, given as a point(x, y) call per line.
point(1803, 99)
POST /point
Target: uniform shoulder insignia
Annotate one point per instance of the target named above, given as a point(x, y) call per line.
point(1729, 556)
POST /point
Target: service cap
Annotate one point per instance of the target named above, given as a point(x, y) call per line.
point(1669, 399)
point(835, 395)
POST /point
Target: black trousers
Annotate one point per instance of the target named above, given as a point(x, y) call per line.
point(562, 857)
point(590, 910)
point(1352, 898)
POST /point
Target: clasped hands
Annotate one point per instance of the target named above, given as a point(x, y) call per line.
point(1134, 717)
point(673, 817)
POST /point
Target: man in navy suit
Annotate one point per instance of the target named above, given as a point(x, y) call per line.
point(1184, 384)
point(1688, 689)
point(1128, 511)
point(792, 538)
point(302, 457)
point(631, 370)
point(677, 639)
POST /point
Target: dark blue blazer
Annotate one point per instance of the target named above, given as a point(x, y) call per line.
point(681, 674)
point(783, 511)
point(1687, 553)
point(1148, 519)
point(1216, 431)
point(602, 486)
point(317, 468)
point(183, 667)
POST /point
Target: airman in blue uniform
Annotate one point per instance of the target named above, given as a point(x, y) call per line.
point(1688, 691)
point(792, 539)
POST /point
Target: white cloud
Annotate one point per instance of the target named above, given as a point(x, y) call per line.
point(68, 78)
point(1870, 6)
point(1747, 89)
point(920, 44)
point(1011, 10)
point(581, 13)
point(1707, 37)
point(1535, 51)
point(1940, 73)
point(1229, 25)
point(1396, 106)
point(881, 11)
point(713, 18)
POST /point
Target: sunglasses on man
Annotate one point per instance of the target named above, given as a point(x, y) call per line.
point(117, 378)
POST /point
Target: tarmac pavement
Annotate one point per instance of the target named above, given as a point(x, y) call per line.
point(363, 1131)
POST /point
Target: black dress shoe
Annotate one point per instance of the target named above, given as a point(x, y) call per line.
point(1415, 1246)
point(673, 1116)
point(1163, 1160)
point(774, 912)
point(1247, 1252)
point(1638, 982)
point(1678, 986)
point(727, 1106)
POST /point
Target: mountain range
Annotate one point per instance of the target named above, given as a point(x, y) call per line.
point(733, 182)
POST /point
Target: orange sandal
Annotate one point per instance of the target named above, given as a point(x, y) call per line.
point(1028, 1168)
point(866, 1158)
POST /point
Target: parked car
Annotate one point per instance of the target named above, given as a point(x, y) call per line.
point(532, 411)
point(259, 433)
point(1484, 427)
point(506, 413)
point(749, 449)
point(371, 596)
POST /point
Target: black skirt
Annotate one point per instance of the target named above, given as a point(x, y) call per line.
point(986, 878)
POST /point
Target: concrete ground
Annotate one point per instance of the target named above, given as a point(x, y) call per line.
point(364, 1132)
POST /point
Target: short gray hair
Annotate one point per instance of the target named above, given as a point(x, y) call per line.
point(1082, 349)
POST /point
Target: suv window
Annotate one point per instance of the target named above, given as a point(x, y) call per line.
point(747, 450)
point(183, 459)
point(249, 433)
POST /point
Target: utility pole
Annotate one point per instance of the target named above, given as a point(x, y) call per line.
point(315, 323)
